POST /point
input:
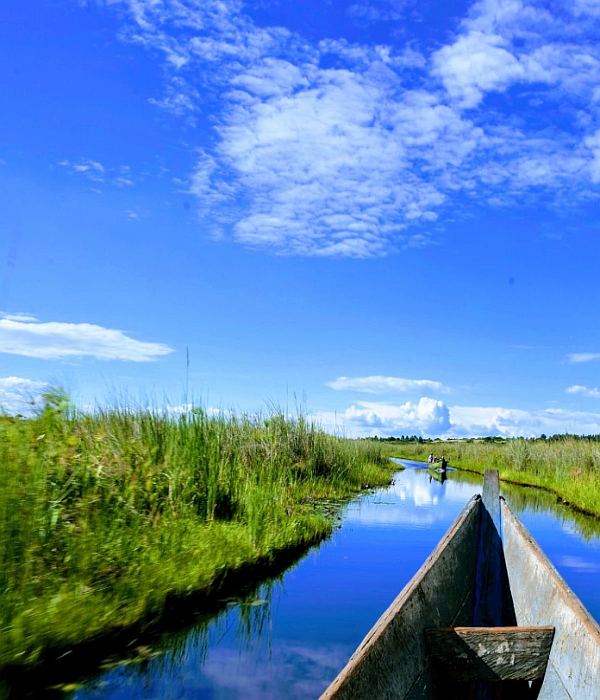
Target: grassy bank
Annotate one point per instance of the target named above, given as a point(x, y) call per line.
point(105, 516)
point(569, 468)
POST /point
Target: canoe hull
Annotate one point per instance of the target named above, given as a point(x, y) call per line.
point(392, 661)
point(541, 597)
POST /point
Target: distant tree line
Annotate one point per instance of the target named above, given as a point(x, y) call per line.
point(558, 437)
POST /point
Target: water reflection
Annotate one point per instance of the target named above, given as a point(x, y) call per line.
point(289, 639)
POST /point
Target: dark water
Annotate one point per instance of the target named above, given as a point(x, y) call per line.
point(292, 638)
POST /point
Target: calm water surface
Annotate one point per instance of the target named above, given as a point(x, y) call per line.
point(291, 639)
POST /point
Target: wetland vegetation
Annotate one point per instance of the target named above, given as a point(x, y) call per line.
point(568, 467)
point(107, 516)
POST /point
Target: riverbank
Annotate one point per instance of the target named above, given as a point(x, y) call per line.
point(105, 517)
point(568, 468)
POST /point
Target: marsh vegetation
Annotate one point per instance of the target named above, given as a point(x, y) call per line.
point(569, 467)
point(105, 516)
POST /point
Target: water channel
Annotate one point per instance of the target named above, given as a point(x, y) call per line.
point(291, 637)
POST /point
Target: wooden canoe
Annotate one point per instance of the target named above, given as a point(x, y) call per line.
point(486, 617)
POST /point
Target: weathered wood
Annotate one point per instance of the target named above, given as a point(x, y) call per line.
point(541, 597)
point(489, 593)
point(490, 654)
point(392, 661)
point(491, 497)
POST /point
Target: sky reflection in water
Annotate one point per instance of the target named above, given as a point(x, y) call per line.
point(293, 645)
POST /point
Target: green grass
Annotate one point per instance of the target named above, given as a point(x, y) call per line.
point(569, 468)
point(105, 516)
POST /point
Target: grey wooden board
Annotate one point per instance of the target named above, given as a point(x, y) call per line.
point(392, 661)
point(490, 653)
point(542, 597)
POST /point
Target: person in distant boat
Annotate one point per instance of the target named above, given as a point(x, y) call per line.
point(444, 463)
point(430, 458)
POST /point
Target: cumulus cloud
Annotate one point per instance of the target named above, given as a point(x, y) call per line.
point(19, 395)
point(63, 341)
point(584, 391)
point(333, 148)
point(428, 416)
point(431, 418)
point(385, 385)
point(512, 422)
point(474, 65)
point(578, 357)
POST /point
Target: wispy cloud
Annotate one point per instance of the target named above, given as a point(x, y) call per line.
point(18, 317)
point(385, 11)
point(356, 150)
point(386, 385)
point(577, 357)
point(98, 173)
point(64, 341)
point(123, 182)
point(579, 564)
point(90, 168)
point(584, 391)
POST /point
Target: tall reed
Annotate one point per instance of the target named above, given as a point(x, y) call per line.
point(569, 468)
point(105, 515)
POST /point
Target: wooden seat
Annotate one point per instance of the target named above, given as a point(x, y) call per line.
point(491, 654)
point(494, 659)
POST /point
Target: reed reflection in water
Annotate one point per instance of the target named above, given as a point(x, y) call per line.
point(301, 630)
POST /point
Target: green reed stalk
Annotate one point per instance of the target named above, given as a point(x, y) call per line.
point(569, 467)
point(105, 515)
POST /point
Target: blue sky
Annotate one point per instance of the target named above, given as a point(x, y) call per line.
point(384, 210)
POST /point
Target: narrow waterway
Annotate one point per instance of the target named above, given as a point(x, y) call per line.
point(292, 637)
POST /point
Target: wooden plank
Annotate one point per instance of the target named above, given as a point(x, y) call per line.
point(392, 661)
point(489, 591)
point(542, 597)
point(491, 654)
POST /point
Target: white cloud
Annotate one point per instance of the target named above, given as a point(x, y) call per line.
point(354, 149)
point(60, 341)
point(95, 171)
point(329, 168)
point(431, 418)
point(181, 99)
point(18, 395)
point(583, 356)
point(569, 561)
point(90, 168)
point(584, 391)
point(385, 385)
point(369, 12)
point(512, 422)
point(428, 416)
point(123, 182)
point(18, 317)
point(475, 64)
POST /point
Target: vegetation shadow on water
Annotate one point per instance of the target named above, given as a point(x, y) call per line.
point(231, 653)
point(108, 517)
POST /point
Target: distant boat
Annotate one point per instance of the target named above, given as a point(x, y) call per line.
point(487, 617)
